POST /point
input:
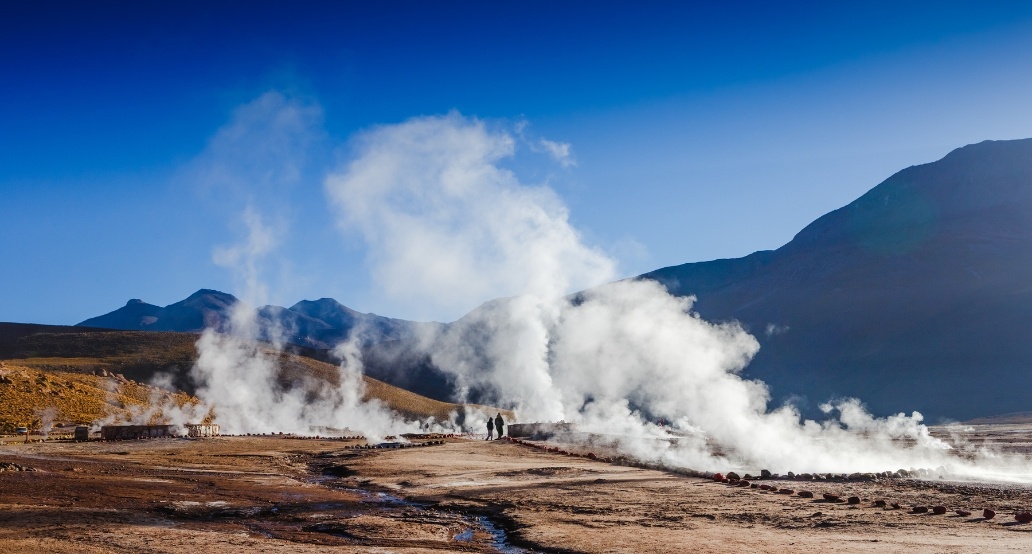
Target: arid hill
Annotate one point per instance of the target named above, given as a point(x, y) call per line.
point(84, 374)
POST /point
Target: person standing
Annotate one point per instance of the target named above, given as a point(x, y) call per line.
point(500, 424)
point(490, 428)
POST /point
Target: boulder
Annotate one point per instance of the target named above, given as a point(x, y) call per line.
point(832, 497)
point(879, 503)
point(919, 510)
point(853, 500)
point(939, 510)
point(733, 475)
point(1023, 517)
point(764, 474)
point(805, 494)
point(988, 514)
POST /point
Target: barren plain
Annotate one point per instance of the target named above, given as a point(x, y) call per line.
point(460, 494)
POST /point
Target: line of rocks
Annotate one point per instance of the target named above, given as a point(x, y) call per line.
point(11, 466)
point(387, 445)
point(732, 479)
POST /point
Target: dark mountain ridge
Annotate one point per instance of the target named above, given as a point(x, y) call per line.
point(918, 295)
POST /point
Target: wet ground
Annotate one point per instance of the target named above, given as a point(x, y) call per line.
point(273, 494)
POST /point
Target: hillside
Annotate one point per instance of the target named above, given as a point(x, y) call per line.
point(916, 296)
point(72, 369)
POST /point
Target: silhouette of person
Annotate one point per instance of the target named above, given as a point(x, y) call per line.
point(490, 428)
point(500, 424)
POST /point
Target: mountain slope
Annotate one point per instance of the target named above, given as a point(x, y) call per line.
point(918, 295)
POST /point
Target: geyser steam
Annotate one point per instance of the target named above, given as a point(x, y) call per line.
point(447, 226)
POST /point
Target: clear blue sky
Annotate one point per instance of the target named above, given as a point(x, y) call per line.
point(700, 131)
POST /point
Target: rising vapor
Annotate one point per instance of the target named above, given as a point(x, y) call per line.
point(447, 226)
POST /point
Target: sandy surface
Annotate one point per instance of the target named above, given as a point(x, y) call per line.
point(272, 494)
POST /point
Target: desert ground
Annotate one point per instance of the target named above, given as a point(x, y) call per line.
point(461, 494)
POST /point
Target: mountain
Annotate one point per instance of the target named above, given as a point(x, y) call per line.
point(310, 327)
point(916, 296)
point(202, 309)
point(319, 324)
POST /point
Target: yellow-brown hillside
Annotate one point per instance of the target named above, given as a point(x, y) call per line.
point(86, 376)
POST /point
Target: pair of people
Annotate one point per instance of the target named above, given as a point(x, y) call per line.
point(498, 423)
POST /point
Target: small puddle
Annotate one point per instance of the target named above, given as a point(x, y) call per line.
point(499, 539)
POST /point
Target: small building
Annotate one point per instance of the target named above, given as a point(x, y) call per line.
point(82, 433)
point(200, 430)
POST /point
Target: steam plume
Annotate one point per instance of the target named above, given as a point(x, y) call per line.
point(447, 226)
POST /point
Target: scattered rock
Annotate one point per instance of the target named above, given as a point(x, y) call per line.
point(879, 503)
point(939, 510)
point(786, 491)
point(733, 475)
point(1023, 517)
point(832, 497)
point(764, 474)
point(853, 500)
point(896, 506)
point(988, 514)
point(805, 494)
point(718, 476)
point(963, 513)
point(919, 510)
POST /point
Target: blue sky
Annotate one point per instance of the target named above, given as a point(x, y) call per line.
point(699, 131)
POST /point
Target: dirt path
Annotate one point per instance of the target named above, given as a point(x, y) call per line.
point(272, 494)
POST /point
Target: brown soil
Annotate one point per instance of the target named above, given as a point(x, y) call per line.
point(274, 494)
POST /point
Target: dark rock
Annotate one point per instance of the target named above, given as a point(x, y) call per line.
point(919, 510)
point(733, 475)
point(939, 510)
point(963, 513)
point(988, 514)
point(853, 500)
point(805, 494)
point(1023, 517)
point(879, 503)
point(832, 497)
point(764, 474)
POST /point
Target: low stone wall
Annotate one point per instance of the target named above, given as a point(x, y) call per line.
point(538, 431)
point(133, 432)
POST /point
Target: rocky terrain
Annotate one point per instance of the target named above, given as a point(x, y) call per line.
point(461, 494)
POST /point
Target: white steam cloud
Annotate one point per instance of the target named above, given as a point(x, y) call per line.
point(447, 227)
